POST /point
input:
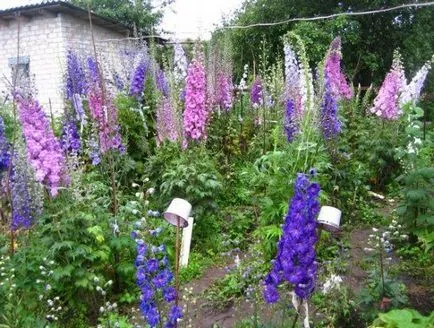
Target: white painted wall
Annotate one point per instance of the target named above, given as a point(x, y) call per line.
point(45, 39)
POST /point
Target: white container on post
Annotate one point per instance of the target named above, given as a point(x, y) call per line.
point(330, 217)
point(186, 243)
point(178, 208)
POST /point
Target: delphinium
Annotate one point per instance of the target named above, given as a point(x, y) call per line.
point(339, 86)
point(180, 63)
point(76, 85)
point(224, 91)
point(154, 279)
point(167, 122)
point(138, 78)
point(295, 261)
point(411, 92)
point(26, 198)
point(161, 82)
point(289, 121)
point(386, 102)
point(104, 114)
point(43, 149)
point(4, 148)
point(257, 93)
point(195, 113)
point(70, 140)
point(330, 124)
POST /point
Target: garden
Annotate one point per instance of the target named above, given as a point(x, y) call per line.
point(312, 197)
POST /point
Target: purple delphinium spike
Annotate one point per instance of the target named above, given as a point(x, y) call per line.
point(4, 148)
point(195, 113)
point(70, 140)
point(162, 83)
point(154, 278)
point(19, 181)
point(290, 121)
point(138, 79)
point(330, 124)
point(93, 70)
point(76, 78)
point(43, 149)
point(256, 93)
point(224, 91)
point(295, 261)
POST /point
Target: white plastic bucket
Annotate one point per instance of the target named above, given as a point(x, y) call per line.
point(178, 208)
point(330, 218)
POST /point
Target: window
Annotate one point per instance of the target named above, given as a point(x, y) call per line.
point(20, 72)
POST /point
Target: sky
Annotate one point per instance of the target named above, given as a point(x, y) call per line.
point(186, 18)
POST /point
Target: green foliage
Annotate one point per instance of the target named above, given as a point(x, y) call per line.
point(405, 318)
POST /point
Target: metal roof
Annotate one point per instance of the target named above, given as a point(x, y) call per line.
point(34, 7)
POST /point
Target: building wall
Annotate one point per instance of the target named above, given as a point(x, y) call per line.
point(44, 40)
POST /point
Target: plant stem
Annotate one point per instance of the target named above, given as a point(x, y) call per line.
point(381, 270)
point(294, 323)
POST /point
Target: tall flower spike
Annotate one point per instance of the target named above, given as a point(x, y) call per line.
point(43, 149)
point(386, 102)
point(290, 124)
point(338, 82)
point(295, 261)
point(138, 79)
point(70, 141)
point(224, 91)
point(257, 93)
point(4, 148)
point(180, 63)
point(104, 113)
point(195, 114)
point(161, 82)
point(167, 127)
point(330, 124)
point(76, 78)
point(411, 92)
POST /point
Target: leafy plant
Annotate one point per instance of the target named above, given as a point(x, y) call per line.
point(405, 318)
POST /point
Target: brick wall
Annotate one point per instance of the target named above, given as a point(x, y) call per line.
point(44, 40)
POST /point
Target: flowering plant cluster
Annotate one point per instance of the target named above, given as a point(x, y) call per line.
point(154, 279)
point(295, 261)
point(43, 149)
point(195, 113)
point(70, 140)
point(386, 102)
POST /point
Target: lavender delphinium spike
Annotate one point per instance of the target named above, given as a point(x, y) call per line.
point(224, 92)
point(256, 93)
point(167, 127)
point(70, 140)
point(76, 78)
point(162, 83)
point(295, 261)
point(330, 124)
point(43, 149)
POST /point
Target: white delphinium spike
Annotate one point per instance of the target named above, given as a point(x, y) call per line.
point(411, 92)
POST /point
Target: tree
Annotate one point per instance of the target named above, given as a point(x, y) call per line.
point(139, 15)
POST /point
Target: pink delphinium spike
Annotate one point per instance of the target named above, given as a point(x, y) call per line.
point(195, 114)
